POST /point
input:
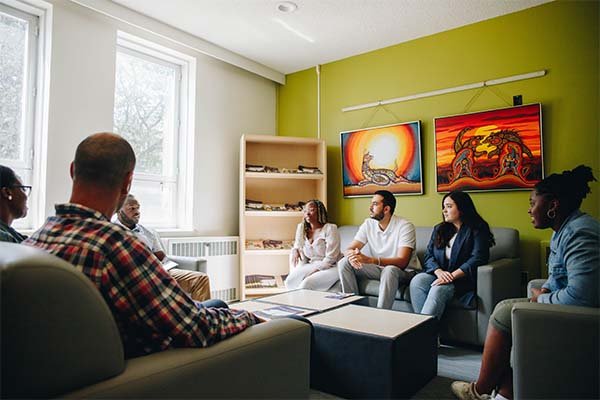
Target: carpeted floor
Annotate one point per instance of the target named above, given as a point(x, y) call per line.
point(454, 363)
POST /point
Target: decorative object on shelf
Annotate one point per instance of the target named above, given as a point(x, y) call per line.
point(256, 205)
point(295, 207)
point(384, 157)
point(262, 244)
point(261, 281)
point(308, 170)
point(255, 168)
point(490, 150)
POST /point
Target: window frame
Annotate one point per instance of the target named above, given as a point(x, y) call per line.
point(39, 14)
point(183, 124)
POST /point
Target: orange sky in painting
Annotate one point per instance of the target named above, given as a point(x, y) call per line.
point(525, 120)
point(397, 138)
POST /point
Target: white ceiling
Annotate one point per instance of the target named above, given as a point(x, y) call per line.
point(339, 28)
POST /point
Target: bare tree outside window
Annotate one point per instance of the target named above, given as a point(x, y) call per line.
point(144, 108)
point(146, 113)
point(19, 78)
point(13, 48)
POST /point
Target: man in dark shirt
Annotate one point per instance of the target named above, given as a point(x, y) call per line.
point(152, 312)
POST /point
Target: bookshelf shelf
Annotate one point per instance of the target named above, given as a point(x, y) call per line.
point(273, 175)
point(267, 252)
point(274, 214)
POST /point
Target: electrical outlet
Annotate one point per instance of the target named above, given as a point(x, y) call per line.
point(517, 100)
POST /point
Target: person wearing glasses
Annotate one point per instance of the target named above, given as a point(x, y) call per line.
point(13, 204)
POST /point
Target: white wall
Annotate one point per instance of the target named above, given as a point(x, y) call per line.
point(229, 102)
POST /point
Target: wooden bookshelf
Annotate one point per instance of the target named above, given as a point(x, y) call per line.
point(281, 153)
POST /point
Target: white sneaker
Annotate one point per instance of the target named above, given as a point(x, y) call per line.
point(466, 391)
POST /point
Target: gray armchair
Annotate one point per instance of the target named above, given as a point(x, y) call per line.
point(59, 339)
point(190, 263)
point(555, 351)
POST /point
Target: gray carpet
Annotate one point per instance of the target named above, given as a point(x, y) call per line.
point(454, 363)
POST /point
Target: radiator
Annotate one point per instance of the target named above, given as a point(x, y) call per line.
point(222, 262)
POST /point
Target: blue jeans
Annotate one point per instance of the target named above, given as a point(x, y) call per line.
point(212, 303)
point(427, 299)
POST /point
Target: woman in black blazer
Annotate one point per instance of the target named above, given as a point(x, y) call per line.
point(458, 246)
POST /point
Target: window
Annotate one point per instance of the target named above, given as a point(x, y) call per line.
point(151, 109)
point(19, 78)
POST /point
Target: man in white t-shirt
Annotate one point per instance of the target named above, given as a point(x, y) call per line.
point(195, 283)
point(392, 243)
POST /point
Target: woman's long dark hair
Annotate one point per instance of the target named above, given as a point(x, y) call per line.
point(468, 216)
point(321, 215)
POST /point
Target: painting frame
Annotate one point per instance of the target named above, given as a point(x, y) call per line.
point(393, 157)
point(499, 149)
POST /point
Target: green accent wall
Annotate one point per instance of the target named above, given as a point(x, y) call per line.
point(561, 37)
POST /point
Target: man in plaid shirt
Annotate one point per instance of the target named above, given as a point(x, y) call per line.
point(152, 312)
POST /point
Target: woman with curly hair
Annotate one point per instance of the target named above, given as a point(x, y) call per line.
point(573, 274)
point(316, 251)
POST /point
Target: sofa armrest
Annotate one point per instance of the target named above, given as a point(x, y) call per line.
point(496, 281)
point(269, 360)
point(555, 351)
point(190, 263)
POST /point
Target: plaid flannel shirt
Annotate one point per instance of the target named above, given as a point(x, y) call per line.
point(152, 312)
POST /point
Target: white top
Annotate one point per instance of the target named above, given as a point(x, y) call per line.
point(375, 321)
point(385, 244)
point(150, 238)
point(448, 251)
point(325, 246)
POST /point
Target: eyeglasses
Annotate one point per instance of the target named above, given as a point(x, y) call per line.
point(24, 188)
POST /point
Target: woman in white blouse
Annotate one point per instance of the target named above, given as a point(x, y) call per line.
point(316, 251)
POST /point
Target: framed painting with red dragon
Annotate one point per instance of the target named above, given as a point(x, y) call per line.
point(490, 150)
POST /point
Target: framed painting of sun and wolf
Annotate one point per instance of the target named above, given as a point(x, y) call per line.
point(490, 150)
point(383, 157)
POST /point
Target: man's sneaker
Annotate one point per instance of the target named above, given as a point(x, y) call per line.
point(466, 391)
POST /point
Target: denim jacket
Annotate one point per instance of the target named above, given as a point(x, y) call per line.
point(574, 262)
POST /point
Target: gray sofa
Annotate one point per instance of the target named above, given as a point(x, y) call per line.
point(556, 351)
point(498, 280)
point(59, 339)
